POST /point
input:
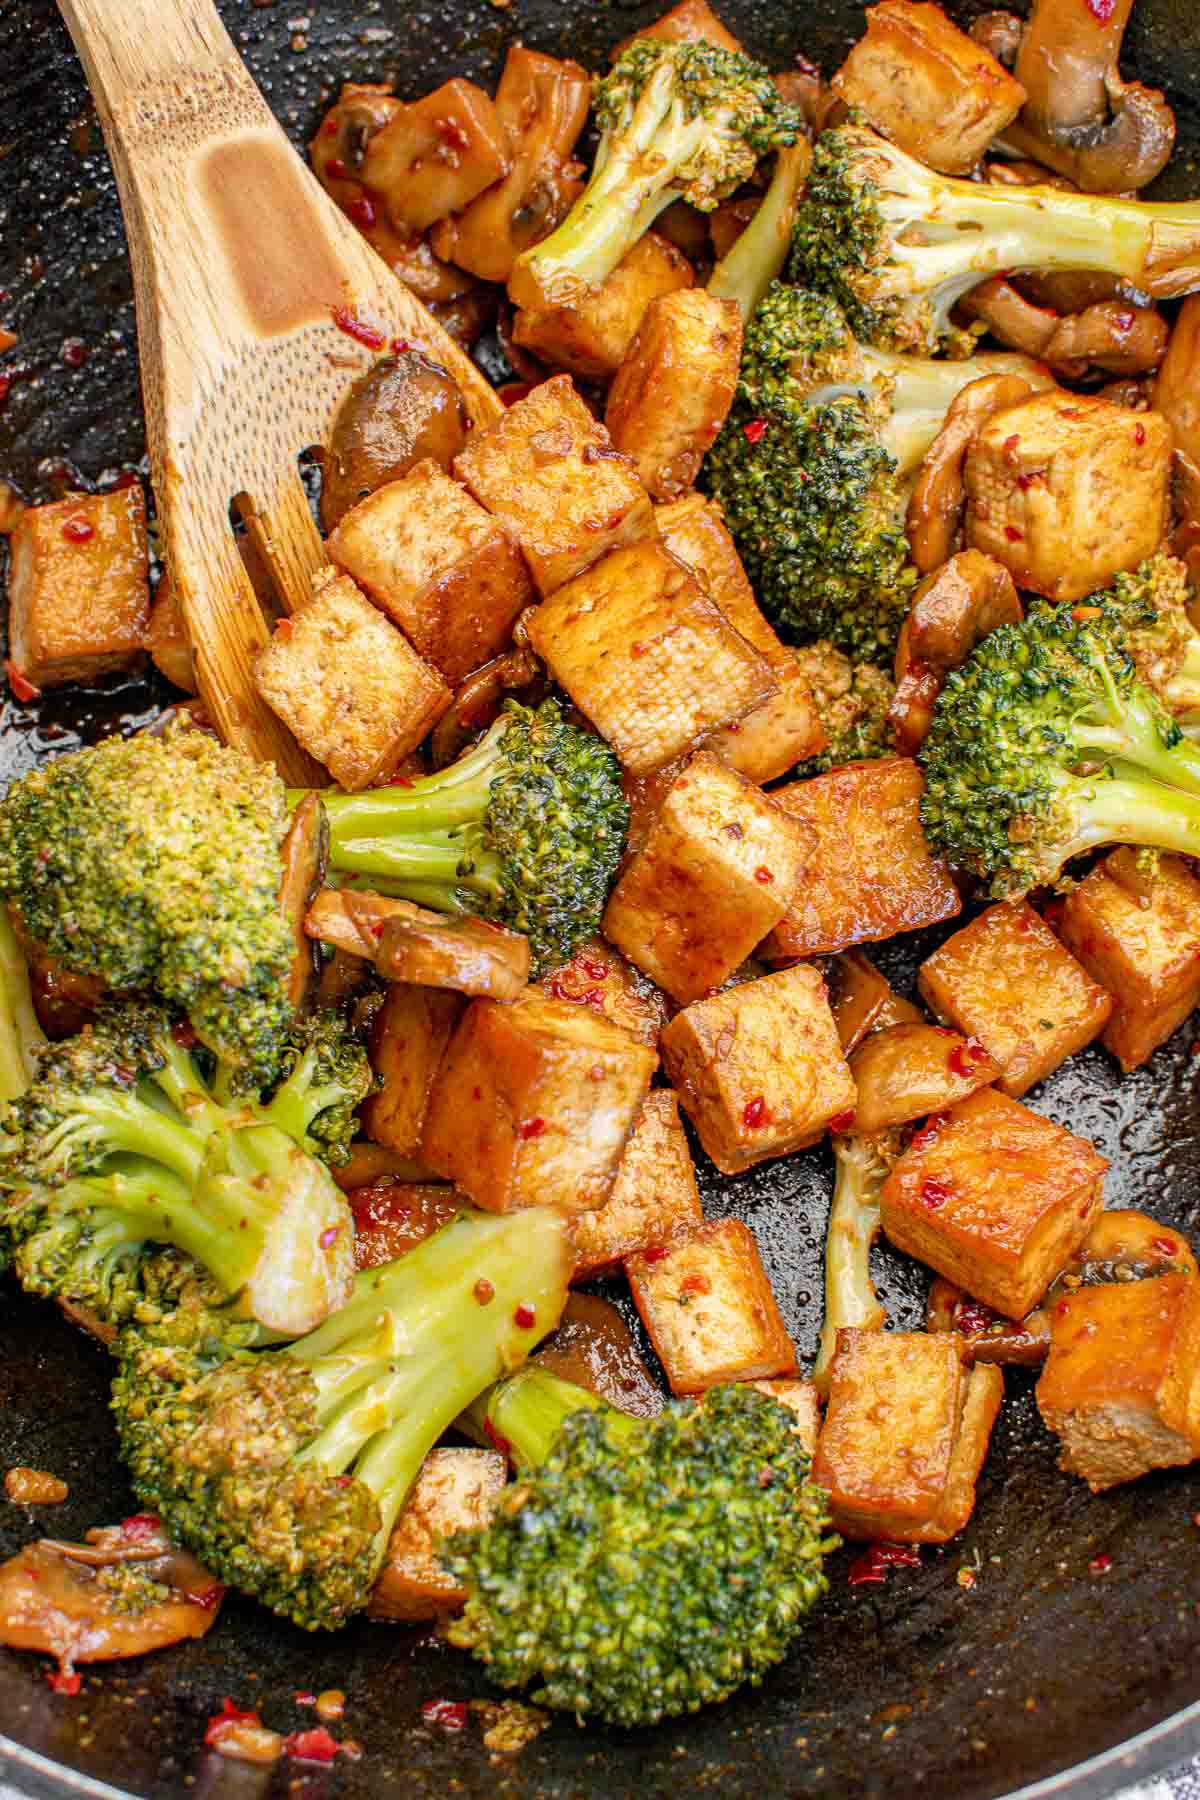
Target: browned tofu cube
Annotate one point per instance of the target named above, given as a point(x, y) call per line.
point(547, 470)
point(929, 87)
point(654, 1198)
point(674, 388)
point(691, 22)
point(1067, 489)
point(863, 1001)
point(907, 1070)
point(708, 1307)
point(872, 873)
point(444, 570)
point(717, 871)
point(905, 1435)
point(784, 729)
point(534, 1103)
point(800, 1398)
point(650, 659)
point(436, 155)
point(1121, 1386)
point(994, 1198)
point(352, 689)
point(759, 1069)
point(1143, 947)
point(592, 334)
point(78, 587)
point(409, 1037)
point(1005, 981)
point(597, 976)
point(456, 1490)
point(167, 638)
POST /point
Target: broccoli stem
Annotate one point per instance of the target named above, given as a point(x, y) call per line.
point(435, 866)
point(117, 1121)
point(757, 255)
point(455, 796)
point(298, 1100)
point(20, 1033)
point(850, 1298)
point(526, 1413)
point(1130, 809)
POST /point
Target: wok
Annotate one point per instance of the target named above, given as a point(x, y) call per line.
point(1043, 1672)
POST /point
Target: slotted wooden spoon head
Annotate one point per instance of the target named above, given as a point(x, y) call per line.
point(254, 295)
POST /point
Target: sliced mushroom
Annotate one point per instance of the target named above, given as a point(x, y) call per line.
point(953, 608)
point(936, 505)
point(353, 920)
point(906, 1071)
point(1114, 336)
point(304, 854)
point(338, 151)
point(1001, 34)
point(405, 409)
point(1177, 397)
point(918, 685)
point(862, 1000)
point(469, 956)
point(477, 703)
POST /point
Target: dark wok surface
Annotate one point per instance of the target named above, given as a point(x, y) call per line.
point(921, 1686)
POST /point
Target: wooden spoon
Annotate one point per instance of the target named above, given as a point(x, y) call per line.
point(258, 304)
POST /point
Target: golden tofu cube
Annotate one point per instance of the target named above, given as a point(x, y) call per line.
point(534, 1103)
point(800, 1398)
point(872, 873)
point(674, 388)
point(352, 689)
point(708, 1308)
point(597, 976)
point(994, 1198)
point(759, 1069)
point(547, 471)
point(591, 335)
point(456, 1490)
point(1006, 981)
point(1121, 1386)
point(647, 656)
point(78, 587)
point(906, 1433)
point(691, 22)
point(718, 869)
point(654, 1198)
point(1143, 947)
point(929, 87)
point(167, 638)
point(442, 568)
point(906, 1070)
point(436, 155)
point(409, 1037)
point(1067, 489)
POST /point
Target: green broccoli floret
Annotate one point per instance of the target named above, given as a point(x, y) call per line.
point(1149, 606)
point(1044, 744)
point(284, 1470)
point(758, 253)
point(118, 1143)
point(863, 1164)
point(676, 120)
point(898, 245)
point(153, 862)
point(326, 1077)
point(528, 827)
point(641, 1568)
point(852, 704)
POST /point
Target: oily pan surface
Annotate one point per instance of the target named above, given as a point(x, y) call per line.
point(922, 1685)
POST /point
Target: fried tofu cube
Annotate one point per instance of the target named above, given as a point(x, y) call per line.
point(654, 1198)
point(994, 1198)
point(907, 1070)
point(547, 471)
point(691, 22)
point(708, 1308)
point(1006, 981)
point(409, 1037)
point(717, 870)
point(1143, 947)
point(78, 587)
point(436, 155)
point(1121, 1385)
point(534, 1103)
point(929, 87)
point(906, 1433)
point(167, 637)
point(442, 569)
point(591, 335)
point(674, 388)
point(456, 1490)
point(1068, 489)
point(598, 976)
point(800, 1398)
point(785, 728)
point(647, 656)
point(872, 873)
point(759, 1069)
point(351, 688)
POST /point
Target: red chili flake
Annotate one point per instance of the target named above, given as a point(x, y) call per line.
point(329, 128)
point(929, 1130)
point(871, 1568)
point(532, 1128)
point(329, 1236)
point(963, 1057)
point(342, 1481)
point(1013, 535)
point(451, 1715)
point(1124, 321)
point(183, 1033)
point(398, 346)
point(763, 874)
point(1139, 435)
point(78, 530)
point(6, 382)
point(495, 1440)
point(142, 1525)
point(305, 1699)
point(1100, 1565)
point(73, 352)
point(755, 1113)
point(361, 330)
point(842, 1121)
point(1063, 1308)
point(63, 1681)
point(973, 1315)
point(483, 1291)
point(525, 1317)
point(1010, 443)
point(208, 1598)
point(695, 1284)
point(229, 1715)
point(1102, 10)
point(362, 210)
point(315, 1746)
point(934, 1193)
point(591, 965)
point(1165, 1246)
point(655, 1253)
point(336, 169)
point(22, 688)
point(755, 431)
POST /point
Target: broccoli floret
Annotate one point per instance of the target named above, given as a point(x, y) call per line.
point(852, 704)
point(1044, 744)
point(327, 1075)
point(758, 253)
point(528, 827)
point(118, 1143)
point(676, 120)
point(850, 1299)
point(1148, 605)
point(20, 1034)
point(641, 1568)
point(284, 1470)
point(153, 862)
point(898, 245)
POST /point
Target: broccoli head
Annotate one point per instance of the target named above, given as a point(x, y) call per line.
point(325, 1076)
point(852, 704)
point(641, 1568)
point(1149, 607)
point(153, 862)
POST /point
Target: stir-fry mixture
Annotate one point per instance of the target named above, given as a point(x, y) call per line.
point(830, 575)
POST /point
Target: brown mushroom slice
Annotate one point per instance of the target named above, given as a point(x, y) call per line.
point(594, 1347)
point(371, 1164)
point(469, 956)
point(1001, 34)
point(918, 684)
point(392, 1217)
point(406, 408)
point(1114, 335)
point(477, 703)
point(906, 1071)
point(353, 919)
point(338, 151)
point(124, 1592)
point(862, 1000)
point(304, 854)
point(988, 1337)
point(1177, 397)
point(1010, 317)
point(804, 87)
point(955, 608)
point(936, 504)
